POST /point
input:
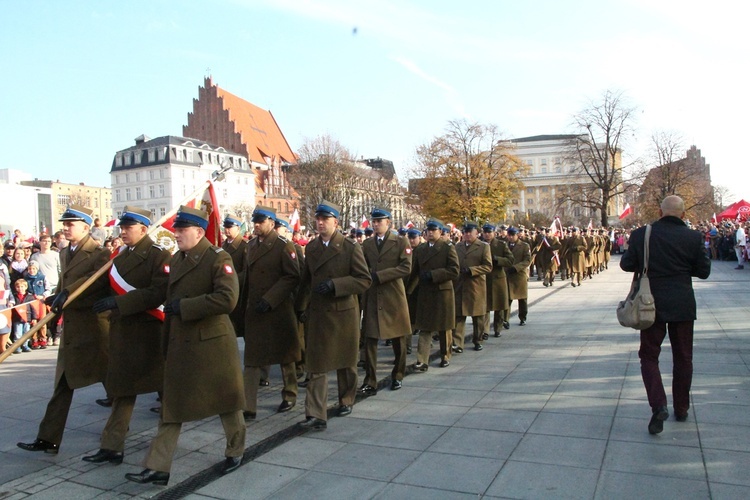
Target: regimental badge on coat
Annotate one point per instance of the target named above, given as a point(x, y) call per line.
point(408, 251)
point(293, 255)
point(166, 269)
point(228, 269)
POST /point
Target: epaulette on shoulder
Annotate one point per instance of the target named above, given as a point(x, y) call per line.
point(282, 238)
point(350, 241)
point(218, 249)
point(157, 246)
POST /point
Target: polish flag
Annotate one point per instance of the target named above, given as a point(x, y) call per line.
point(409, 225)
point(294, 221)
point(365, 223)
point(626, 211)
point(714, 219)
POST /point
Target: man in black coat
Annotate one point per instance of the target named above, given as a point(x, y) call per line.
point(676, 254)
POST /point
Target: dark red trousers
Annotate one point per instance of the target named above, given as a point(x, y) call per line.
point(681, 339)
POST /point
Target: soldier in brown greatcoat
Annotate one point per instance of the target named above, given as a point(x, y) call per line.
point(577, 251)
point(83, 355)
point(386, 311)
point(517, 274)
point(497, 286)
point(470, 287)
point(434, 267)
point(335, 272)
point(549, 256)
point(202, 373)
point(271, 280)
point(236, 246)
point(138, 283)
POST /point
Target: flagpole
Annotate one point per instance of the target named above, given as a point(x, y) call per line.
point(216, 176)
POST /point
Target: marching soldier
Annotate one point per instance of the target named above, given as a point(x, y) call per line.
point(386, 311)
point(271, 280)
point(415, 239)
point(83, 355)
point(577, 250)
point(138, 281)
point(236, 246)
point(335, 272)
point(497, 286)
point(517, 275)
point(470, 287)
point(549, 256)
point(434, 267)
point(285, 231)
point(202, 373)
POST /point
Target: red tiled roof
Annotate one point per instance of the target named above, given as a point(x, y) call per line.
point(258, 129)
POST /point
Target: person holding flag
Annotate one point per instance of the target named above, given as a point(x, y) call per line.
point(83, 355)
point(138, 283)
point(202, 370)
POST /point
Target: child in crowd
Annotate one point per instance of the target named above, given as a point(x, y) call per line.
point(23, 317)
point(40, 289)
point(6, 301)
point(18, 265)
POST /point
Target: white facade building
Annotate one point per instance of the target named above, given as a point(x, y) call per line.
point(157, 174)
point(27, 208)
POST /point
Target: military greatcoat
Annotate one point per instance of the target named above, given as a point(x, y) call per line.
point(84, 348)
point(497, 285)
point(272, 273)
point(436, 307)
point(332, 328)
point(386, 314)
point(577, 250)
point(471, 289)
point(518, 281)
point(136, 363)
point(237, 250)
point(202, 372)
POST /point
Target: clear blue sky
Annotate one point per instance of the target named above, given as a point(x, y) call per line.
point(82, 79)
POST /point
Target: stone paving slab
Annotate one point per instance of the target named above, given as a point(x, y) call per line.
point(554, 409)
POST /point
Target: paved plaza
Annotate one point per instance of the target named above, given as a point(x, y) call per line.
point(553, 409)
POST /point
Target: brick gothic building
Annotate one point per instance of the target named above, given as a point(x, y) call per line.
point(222, 118)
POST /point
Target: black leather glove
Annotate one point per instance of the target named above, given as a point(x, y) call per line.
point(262, 306)
point(375, 279)
point(105, 304)
point(302, 316)
point(426, 276)
point(324, 287)
point(57, 301)
point(173, 308)
point(510, 270)
point(466, 271)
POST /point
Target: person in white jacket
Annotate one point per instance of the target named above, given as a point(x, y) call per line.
point(739, 246)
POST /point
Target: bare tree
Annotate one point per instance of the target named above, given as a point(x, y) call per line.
point(676, 173)
point(324, 172)
point(602, 132)
point(468, 172)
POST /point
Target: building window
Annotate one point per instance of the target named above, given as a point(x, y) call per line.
point(161, 190)
point(152, 155)
point(96, 202)
point(127, 159)
point(544, 170)
point(127, 194)
point(529, 163)
point(530, 190)
point(545, 189)
point(152, 174)
point(530, 201)
point(118, 161)
point(137, 177)
point(162, 212)
point(127, 178)
point(153, 214)
point(514, 201)
point(138, 193)
point(63, 199)
point(117, 179)
point(544, 161)
point(152, 191)
point(558, 170)
point(577, 211)
point(144, 156)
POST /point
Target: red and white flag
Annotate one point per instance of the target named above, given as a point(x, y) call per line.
point(409, 225)
point(591, 224)
point(714, 219)
point(294, 221)
point(365, 223)
point(626, 211)
point(206, 201)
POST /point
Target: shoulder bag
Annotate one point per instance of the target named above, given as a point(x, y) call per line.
point(638, 310)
